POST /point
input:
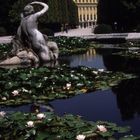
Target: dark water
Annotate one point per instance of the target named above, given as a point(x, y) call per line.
point(120, 105)
point(107, 105)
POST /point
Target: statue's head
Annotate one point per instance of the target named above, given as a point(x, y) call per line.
point(28, 10)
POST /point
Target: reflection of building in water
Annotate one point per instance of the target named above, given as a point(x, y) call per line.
point(91, 52)
point(87, 12)
point(88, 55)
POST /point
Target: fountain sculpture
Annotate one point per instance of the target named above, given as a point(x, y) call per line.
point(30, 46)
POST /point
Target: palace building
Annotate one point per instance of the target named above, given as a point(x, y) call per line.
point(87, 12)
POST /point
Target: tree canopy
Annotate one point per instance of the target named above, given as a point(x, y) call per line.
point(60, 12)
point(124, 13)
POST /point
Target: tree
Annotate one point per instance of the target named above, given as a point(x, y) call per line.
point(60, 12)
point(72, 13)
point(126, 13)
point(5, 6)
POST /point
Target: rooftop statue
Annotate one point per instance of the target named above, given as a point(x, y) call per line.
point(30, 45)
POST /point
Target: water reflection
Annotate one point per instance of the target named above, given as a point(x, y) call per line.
point(89, 59)
point(48, 64)
point(34, 107)
point(120, 105)
point(128, 98)
point(120, 63)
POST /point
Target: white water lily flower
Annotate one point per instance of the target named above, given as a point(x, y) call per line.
point(95, 72)
point(4, 98)
point(30, 124)
point(2, 114)
point(102, 128)
point(39, 85)
point(68, 85)
point(25, 90)
point(45, 78)
point(15, 92)
point(101, 70)
point(80, 137)
point(41, 116)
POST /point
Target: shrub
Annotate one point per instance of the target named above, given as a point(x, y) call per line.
point(102, 29)
point(47, 32)
point(2, 31)
point(138, 28)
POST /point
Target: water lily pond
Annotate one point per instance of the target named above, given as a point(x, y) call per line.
point(119, 104)
point(58, 101)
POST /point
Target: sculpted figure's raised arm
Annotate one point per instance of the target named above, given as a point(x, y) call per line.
point(44, 10)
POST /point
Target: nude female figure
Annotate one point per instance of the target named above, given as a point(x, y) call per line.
point(28, 30)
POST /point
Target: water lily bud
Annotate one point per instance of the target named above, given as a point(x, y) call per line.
point(30, 124)
point(80, 137)
point(40, 116)
point(15, 92)
point(2, 114)
point(102, 128)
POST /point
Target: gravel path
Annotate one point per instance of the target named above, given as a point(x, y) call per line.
point(5, 39)
point(76, 32)
point(80, 32)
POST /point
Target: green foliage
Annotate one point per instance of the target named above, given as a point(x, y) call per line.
point(58, 12)
point(103, 29)
point(71, 45)
point(72, 13)
point(16, 10)
point(129, 54)
point(3, 31)
point(4, 49)
point(67, 45)
point(131, 137)
point(138, 28)
point(51, 127)
point(47, 31)
point(45, 84)
point(125, 12)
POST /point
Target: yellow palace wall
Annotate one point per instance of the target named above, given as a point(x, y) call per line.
point(87, 12)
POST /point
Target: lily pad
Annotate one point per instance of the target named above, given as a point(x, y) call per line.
point(18, 86)
point(28, 126)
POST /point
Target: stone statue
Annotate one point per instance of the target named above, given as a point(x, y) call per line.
point(30, 45)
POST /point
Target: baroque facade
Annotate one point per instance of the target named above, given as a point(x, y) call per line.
point(87, 12)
